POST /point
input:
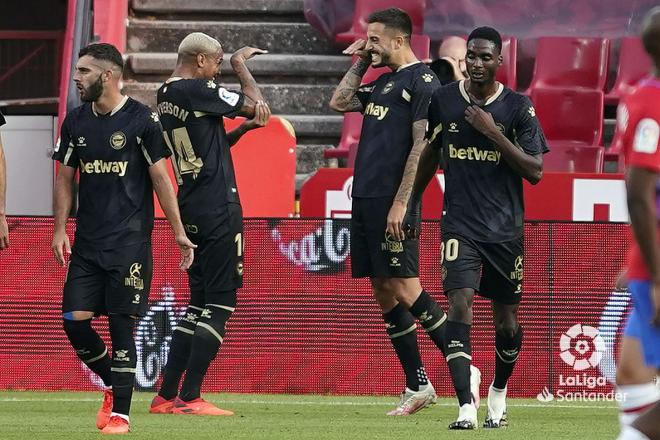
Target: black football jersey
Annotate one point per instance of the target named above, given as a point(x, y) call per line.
point(113, 153)
point(483, 197)
point(391, 104)
point(191, 112)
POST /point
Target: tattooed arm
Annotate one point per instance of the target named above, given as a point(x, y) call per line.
point(400, 204)
point(344, 99)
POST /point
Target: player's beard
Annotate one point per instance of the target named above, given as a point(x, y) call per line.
point(93, 92)
point(383, 59)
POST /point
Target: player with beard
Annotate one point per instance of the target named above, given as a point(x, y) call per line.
point(385, 221)
point(489, 140)
point(117, 146)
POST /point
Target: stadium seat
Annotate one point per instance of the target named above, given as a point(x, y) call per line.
point(364, 8)
point(506, 74)
point(573, 158)
point(634, 64)
point(570, 62)
point(574, 115)
point(350, 136)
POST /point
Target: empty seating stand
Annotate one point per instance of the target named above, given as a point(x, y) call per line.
point(506, 74)
point(574, 158)
point(570, 115)
point(634, 64)
point(364, 8)
point(571, 62)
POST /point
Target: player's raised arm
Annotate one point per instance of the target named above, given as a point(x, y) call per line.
point(249, 86)
point(345, 98)
point(260, 119)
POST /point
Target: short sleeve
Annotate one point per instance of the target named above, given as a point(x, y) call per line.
point(527, 129)
point(421, 95)
point(65, 149)
point(2, 120)
point(364, 93)
point(434, 116)
point(641, 139)
point(208, 97)
point(152, 143)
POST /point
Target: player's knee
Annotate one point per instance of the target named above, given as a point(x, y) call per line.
point(507, 329)
point(72, 327)
point(460, 304)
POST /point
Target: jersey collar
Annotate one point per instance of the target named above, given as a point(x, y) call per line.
point(172, 79)
point(114, 110)
point(493, 97)
point(405, 66)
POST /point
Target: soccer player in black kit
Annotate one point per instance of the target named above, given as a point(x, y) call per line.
point(191, 105)
point(488, 139)
point(117, 146)
point(384, 232)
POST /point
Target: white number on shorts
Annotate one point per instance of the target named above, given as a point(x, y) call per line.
point(238, 239)
point(450, 249)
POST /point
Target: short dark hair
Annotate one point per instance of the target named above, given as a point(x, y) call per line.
point(394, 18)
point(487, 33)
point(103, 51)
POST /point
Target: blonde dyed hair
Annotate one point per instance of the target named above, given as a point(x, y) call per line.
point(198, 42)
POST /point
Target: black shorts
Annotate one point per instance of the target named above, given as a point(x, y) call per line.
point(109, 281)
point(494, 270)
point(218, 264)
point(373, 253)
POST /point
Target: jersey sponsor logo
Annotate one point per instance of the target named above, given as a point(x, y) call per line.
point(390, 245)
point(647, 135)
point(230, 98)
point(118, 140)
point(388, 88)
point(379, 111)
point(134, 279)
point(103, 167)
point(474, 153)
point(168, 108)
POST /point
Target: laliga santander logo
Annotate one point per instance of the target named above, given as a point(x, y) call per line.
point(581, 347)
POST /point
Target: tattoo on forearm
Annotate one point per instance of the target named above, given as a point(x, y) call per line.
point(410, 171)
point(345, 93)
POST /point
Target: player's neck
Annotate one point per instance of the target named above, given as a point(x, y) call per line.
point(108, 101)
point(407, 57)
point(184, 72)
point(481, 91)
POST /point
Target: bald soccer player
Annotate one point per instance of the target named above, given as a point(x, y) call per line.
point(191, 105)
point(450, 65)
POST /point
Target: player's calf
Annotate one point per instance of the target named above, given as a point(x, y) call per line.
point(89, 347)
point(124, 360)
point(432, 317)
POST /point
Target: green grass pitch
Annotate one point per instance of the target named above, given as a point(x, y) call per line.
point(71, 416)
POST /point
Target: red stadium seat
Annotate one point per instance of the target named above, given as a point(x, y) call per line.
point(364, 8)
point(574, 115)
point(634, 64)
point(506, 74)
point(572, 158)
point(350, 136)
point(571, 62)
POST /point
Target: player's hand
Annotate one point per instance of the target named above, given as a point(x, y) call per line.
point(655, 300)
point(412, 222)
point(245, 53)
point(482, 121)
point(261, 116)
point(395, 221)
point(61, 245)
point(4, 232)
point(357, 48)
point(458, 74)
point(187, 249)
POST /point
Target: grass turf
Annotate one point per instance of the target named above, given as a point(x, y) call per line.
point(71, 416)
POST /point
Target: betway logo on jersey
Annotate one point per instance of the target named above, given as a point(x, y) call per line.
point(103, 167)
point(378, 111)
point(474, 153)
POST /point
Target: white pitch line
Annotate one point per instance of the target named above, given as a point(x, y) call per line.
point(308, 403)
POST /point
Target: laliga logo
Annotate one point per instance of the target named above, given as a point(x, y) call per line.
point(581, 347)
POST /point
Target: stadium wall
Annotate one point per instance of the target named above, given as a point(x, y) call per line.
point(302, 325)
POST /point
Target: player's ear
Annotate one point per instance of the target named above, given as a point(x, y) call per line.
point(200, 60)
